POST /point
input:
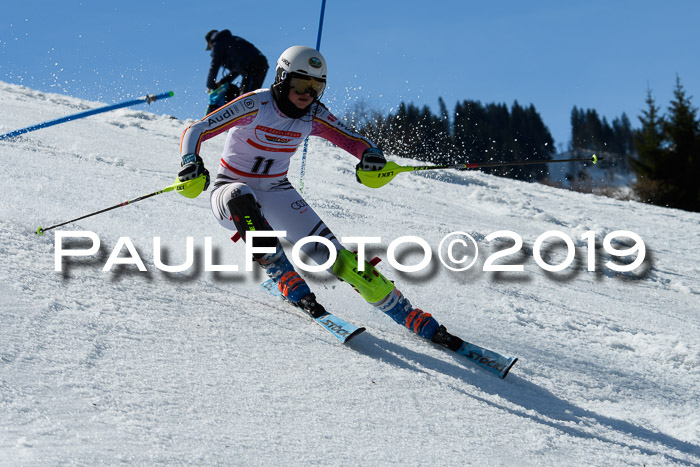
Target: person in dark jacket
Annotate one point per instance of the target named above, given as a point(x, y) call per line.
point(239, 58)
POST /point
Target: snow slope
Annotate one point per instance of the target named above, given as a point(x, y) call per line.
point(203, 368)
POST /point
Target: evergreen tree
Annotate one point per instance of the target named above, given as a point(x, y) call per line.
point(649, 141)
point(477, 133)
point(613, 143)
point(542, 144)
point(683, 132)
point(668, 149)
point(468, 122)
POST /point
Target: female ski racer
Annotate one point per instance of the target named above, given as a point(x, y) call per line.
point(251, 190)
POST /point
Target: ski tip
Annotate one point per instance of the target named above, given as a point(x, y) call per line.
point(357, 332)
point(505, 372)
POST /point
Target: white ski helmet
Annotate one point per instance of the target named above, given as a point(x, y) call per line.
point(302, 61)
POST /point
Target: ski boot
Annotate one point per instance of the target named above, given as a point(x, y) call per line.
point(400, 310)
point(292, 286)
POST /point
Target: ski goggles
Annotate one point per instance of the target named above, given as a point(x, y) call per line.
point(307, 85)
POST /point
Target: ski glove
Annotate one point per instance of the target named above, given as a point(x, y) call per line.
point(192, 167)
point(372, 159)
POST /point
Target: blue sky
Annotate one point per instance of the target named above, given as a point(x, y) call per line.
point(553, 54)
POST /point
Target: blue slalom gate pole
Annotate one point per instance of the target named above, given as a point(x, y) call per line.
point(320, 25)
point(145, 99)
point(306, 141)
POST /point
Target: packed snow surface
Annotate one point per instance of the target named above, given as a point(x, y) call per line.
point(200, 367)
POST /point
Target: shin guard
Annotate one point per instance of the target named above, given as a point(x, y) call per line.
point(246, 215)
point(381, 293)
point(370, 284)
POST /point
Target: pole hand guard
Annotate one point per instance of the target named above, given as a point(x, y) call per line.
point(192, 171)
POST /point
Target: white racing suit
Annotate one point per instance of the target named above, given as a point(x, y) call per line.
point(260, 142)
